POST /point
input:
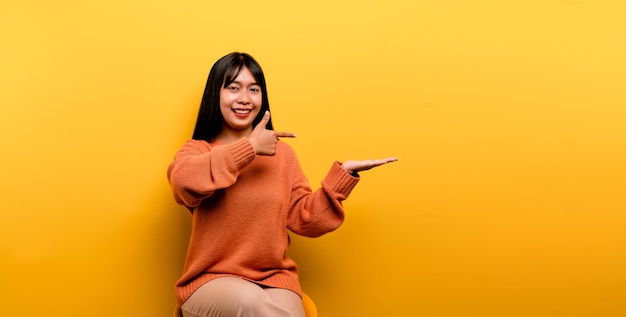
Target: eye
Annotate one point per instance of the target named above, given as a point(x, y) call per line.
point(232, 87)
point(255, 89)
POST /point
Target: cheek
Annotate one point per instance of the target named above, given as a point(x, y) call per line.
point(257, 99)
point(225, 99)
point(225, 108)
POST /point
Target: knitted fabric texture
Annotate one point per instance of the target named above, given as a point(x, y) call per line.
point(243, 205)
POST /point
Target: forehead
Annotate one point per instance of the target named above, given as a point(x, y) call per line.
point(244, 75)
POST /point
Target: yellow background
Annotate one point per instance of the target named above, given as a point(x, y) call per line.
point(509, 119)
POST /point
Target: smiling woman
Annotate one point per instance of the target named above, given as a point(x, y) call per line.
point(224, 82)
point(240, 102)
point(509, 201)
point(237, 258)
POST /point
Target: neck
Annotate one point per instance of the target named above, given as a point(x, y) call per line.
point(231, 136)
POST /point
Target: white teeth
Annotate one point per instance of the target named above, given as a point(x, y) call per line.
point(241, 111)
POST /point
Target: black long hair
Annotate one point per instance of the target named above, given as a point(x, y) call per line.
point(222, 74)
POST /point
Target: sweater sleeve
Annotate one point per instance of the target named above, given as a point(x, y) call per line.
point(313, 214)
point(199, 169)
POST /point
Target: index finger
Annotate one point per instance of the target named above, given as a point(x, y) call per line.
point(285, 134)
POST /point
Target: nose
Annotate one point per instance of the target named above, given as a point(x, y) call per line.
point(244, 98)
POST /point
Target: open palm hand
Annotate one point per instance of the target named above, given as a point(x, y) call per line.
point(357, 166)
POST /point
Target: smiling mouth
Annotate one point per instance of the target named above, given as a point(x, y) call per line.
point(242, 111)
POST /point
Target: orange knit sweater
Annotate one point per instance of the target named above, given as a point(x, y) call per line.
point(242, 206)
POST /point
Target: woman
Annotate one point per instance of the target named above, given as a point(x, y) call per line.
point(245, 189)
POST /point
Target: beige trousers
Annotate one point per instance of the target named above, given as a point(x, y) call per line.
point(236, 297)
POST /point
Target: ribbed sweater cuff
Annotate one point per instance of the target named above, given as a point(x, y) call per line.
point(340, 181)
point(242, 152)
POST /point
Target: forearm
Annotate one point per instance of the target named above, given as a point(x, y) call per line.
point(197, 172)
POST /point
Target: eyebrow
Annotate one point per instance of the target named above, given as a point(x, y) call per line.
point(238, 82)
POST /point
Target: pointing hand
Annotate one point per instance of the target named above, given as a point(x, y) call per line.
point(264, 140)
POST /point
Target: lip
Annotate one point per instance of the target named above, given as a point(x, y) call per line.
point(241, 112)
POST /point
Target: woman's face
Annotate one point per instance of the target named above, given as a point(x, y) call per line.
point(240, 102)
